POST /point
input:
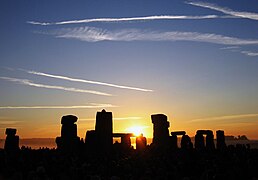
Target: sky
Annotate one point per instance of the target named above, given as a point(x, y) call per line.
point(195, 61)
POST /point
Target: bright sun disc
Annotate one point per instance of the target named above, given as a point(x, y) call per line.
point(136, 130)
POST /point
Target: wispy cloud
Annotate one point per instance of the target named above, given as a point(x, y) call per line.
point(144, 18)
point(228, 117)
point(230, 47)
point(9, 122)
point(241, 14)
point(30, 83)
point(118, 118)
point(249, 53)
point(87, 81)
point(91, 34)
point(128, 118)
point(91, 106)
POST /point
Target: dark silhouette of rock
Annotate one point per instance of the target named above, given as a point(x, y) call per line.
point(125, 140)
point(173, 138)
point(200, 142)
point(141, 143)
point(160, 130)
point(186, 142)
point(210, 140)
point(11, 141)
point(104, 131)
point(220, 140)
point(69, 141)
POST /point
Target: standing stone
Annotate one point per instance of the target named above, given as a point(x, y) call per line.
point(104, 131)
point(11, 141)
point(220, 139)
point(69, 141)
point(141, 143)
point(160, 130)
point(199, 141)
point(210, 140)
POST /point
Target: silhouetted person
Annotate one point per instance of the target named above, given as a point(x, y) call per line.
point(160, 130)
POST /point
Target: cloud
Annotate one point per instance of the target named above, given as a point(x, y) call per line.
point(118, 118)
point(30, 83)
point(11, 122)
point(91, 106)
point(128, 118)
point(241, 14)
point(144, 18)
point(87, 81)
point(228, 117)
point(91, 34)
point(230, 47)
point(249, 53)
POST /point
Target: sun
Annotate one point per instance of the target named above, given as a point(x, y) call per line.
point(136, 130)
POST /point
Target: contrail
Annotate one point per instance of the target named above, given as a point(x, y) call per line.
point(30, 83)
point(92, 34)
point(118, 118)
point(241, 14)
point(144, 18)
point(238, 116)
point(87, 81)
point(92, 106)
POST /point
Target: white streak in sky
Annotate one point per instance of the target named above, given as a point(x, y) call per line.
point(91, 34)
point(230, 47)
point(128, 118)
point(92, 106)
point(239, 116)
point(162, 17)
point(6, 122)
point(30, 83)
point(118, 118)
point(249, 53)
point(241, 14)
point(86, 81)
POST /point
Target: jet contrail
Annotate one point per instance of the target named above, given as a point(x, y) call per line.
point(30, 83)
point(92, 106)
point(161, 17)
point(240, 14)
point(87, 81)
point(92, 34)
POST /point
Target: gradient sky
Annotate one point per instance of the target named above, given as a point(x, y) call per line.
point(196, 62)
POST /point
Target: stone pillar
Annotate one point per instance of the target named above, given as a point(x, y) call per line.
point(141, 143)
point(186, 142)
point(126, 141)
point(210, 140)
point(173, 141)
point(160, 130)
point(199, 141)
point(11, 141)
point(104, 131)
point(69, 141)
point(220, 139)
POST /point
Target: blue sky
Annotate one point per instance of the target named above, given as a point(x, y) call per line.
point(193, 61)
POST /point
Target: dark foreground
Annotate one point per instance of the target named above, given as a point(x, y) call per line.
point(235, 162)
